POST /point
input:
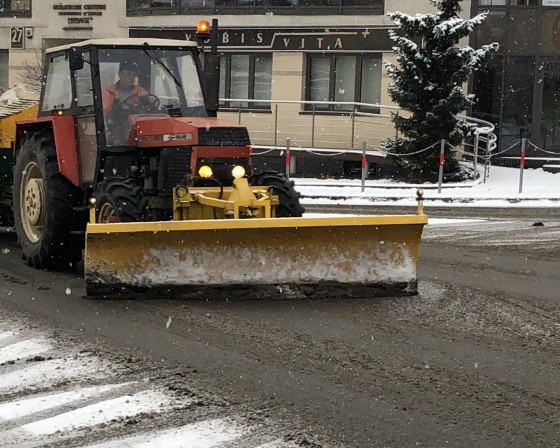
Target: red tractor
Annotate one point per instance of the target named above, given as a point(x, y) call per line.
point(123, 121)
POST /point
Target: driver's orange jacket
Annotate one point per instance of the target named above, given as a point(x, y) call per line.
point(110, 95)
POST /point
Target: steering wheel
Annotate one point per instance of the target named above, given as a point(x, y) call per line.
point(149, 102)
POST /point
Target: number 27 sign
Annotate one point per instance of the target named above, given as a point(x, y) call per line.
point(17, 34)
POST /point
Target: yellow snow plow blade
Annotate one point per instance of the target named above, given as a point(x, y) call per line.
point(353, 255)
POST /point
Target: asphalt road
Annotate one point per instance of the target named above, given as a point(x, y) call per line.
point(473, 360)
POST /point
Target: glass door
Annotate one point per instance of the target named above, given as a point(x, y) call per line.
point(550, 107)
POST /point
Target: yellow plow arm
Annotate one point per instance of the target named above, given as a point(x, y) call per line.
point(240, 201)
point(363, 256)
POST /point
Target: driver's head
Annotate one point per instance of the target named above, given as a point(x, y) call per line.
point(128, 72)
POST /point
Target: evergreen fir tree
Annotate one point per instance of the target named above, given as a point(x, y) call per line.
point(428, 83)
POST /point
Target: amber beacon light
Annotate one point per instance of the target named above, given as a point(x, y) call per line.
point(203, 28)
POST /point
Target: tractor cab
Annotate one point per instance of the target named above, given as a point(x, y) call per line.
point(146, 81)
point(123, 80)
point(125, 96)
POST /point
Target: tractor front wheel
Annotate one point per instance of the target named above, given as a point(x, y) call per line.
point(120, 200)
point(282, 187)
point(43, 205)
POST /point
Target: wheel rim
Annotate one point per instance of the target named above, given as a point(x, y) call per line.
point(32, 202)
point(107, 214)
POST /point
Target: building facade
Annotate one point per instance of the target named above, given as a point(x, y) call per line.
point(322, 58)
point(290, 49)
point(27, 27)
point(520, 90)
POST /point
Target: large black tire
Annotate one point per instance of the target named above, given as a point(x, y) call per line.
point(43, 204)
point(120, 200)
point(282, 187)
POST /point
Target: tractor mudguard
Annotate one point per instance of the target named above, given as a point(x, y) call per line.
point(62, 127)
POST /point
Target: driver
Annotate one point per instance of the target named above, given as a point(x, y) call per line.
point(122, 99)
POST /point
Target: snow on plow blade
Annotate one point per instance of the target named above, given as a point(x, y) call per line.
point(356, 256)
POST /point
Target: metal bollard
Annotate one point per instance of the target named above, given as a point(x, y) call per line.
point(522, 164)
point(441, 162)
point(364, 166)
point(420, 199)
point(288, 158)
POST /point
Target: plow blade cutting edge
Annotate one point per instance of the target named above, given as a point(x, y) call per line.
point(364, 256)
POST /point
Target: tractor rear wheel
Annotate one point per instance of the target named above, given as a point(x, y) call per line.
point(120, 200)
point(43, 205)
point(284, 188)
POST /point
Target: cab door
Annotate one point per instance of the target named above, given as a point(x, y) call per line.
point(86, 130)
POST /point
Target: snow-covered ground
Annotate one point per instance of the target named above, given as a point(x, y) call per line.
point(501, 189)
point(57, 394)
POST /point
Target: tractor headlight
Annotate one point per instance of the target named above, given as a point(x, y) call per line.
point(205, 171)
point(238, 171)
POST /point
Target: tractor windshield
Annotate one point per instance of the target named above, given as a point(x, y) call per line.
point(147, 81)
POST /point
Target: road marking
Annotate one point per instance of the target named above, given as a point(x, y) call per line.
point(7, 335)
point(58, 401)
point(126, 406)
point(24, 349)
point(279, 444)
point(455, 221)
point(49, 373)
point(205, 434)
point(27, 406)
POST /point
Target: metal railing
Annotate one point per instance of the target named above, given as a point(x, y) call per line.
point(308, 125)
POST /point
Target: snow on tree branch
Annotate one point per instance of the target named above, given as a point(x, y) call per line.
point(428, 81)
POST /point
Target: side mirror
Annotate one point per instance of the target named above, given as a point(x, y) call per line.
point(76, 58)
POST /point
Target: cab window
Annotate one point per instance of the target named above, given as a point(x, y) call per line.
point(84, 85)
point(58, 87)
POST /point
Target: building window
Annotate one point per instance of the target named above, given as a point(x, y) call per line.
point(508, 2)
point(156, 4)
point(487, 89)
point(15, 8)
point(517, 98)
point(307, 7)
point(492, 2)
point(246, 76)
point(164, 3)
point(4, 73)
point(341, 79)
point(524, 2)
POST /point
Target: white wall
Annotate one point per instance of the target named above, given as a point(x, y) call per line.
point(420, 7)
point(409, 7)
point(47, 23)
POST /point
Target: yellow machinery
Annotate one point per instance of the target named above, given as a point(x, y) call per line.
point(171, 205)
point(248, 247)
point(16, 104)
